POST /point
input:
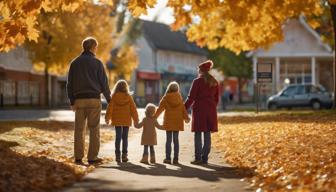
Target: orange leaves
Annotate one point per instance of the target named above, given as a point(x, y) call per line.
point(236, 25)
point(138, 7)
point(38, 156)
point(21, 16)
point(288, 151)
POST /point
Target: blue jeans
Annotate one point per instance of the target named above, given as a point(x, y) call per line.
point(121, 134)
point(172, 135)
point(152, 152)
point(202, 152)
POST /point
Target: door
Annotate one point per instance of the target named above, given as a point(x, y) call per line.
point(286, 98)
point(151, 91)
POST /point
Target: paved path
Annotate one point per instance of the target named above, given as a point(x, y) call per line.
point(134, 176)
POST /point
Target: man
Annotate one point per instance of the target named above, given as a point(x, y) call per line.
point(86, 81)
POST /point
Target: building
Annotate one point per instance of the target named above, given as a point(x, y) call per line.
point(301, 57)
point(20, 85)
point(164, 56)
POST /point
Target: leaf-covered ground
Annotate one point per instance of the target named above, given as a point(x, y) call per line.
point(288, 151)
point(38, 156)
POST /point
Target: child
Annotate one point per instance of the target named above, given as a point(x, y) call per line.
point(148, 138)
point(174, 115)
point(120, 112)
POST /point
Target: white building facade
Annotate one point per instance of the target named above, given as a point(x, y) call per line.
point(300, 58)
point(164, 56)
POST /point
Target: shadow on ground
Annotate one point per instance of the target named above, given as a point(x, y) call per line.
point(210, 172)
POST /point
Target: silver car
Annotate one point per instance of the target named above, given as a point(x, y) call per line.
point(301, 95)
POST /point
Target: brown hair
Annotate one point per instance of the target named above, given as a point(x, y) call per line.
point(172, 87)
point(150, 110)
point(209, 79)
point(88, 43)
point(121, 87)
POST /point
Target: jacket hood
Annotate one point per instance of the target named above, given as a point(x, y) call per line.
point(173, 99)
point(121, 98)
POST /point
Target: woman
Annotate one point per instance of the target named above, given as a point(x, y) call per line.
point(203, 97)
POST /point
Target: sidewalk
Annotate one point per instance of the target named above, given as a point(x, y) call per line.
point(134, 176)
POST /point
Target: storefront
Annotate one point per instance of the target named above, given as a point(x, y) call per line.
point(147, 88)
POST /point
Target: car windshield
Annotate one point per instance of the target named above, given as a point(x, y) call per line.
point(289, 91)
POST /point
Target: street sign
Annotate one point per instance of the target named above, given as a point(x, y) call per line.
point(264, 73)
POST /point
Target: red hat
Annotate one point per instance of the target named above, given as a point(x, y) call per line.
point(205, 66)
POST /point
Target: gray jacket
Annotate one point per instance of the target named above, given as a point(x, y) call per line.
point(87, 78)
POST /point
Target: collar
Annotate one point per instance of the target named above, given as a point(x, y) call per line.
point(88, 53)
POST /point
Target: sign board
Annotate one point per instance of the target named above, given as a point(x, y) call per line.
point(264, 73)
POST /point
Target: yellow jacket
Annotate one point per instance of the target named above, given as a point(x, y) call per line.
point(121, 110)
point(175, 112)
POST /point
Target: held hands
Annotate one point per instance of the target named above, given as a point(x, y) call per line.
point(73, 108)
point(187, 120)
point(107, 121)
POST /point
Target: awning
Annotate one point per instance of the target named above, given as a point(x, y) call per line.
point(148, 75)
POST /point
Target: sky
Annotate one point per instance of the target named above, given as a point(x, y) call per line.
point(164, 14)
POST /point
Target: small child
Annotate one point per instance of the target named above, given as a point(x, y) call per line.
point(148, 138)
point(174, 115)
point(120, 112)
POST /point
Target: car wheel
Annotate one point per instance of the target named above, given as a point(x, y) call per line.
point(316, 105)
point(272, 106)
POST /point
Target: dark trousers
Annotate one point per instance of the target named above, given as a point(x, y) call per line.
point(172, 135)
point(202, 151)
point(152, 152)
point(121, 134)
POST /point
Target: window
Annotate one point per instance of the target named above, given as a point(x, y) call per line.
point(301, 90)
point(290, 91)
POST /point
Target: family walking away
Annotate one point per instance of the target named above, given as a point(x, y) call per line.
point(87, 80)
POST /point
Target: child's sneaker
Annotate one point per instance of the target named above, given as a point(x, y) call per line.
point(175, 161)
point(152, 159)
point(144, 159)
point(167, 161)
point(124, 157)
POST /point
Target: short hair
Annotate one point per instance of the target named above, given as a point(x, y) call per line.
point(150, 110)
point(88, 43)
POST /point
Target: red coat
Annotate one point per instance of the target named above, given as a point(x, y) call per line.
point(204, 100)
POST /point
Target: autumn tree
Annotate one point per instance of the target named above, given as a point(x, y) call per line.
point(63, 32)
point(232, 65)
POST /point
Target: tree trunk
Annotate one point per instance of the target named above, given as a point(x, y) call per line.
point(240, 96)
point(333, 14)
point(46, 85)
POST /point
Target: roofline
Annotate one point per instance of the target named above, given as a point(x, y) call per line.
point(309, 29)
point(314, 33)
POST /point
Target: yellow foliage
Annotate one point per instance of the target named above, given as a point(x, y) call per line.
point(67, 34)
point(239, 25)
point(18, 18)
point(288, 152)
point(126, 61)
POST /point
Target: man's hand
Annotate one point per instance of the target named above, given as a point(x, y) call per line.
point(73, 108)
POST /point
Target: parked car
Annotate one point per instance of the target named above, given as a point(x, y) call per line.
point(301, 95)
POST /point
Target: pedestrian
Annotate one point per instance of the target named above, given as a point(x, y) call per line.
point(119, 113)
point(203, 97)
point(175, 114)
point(86, 81)
point(148, 137)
